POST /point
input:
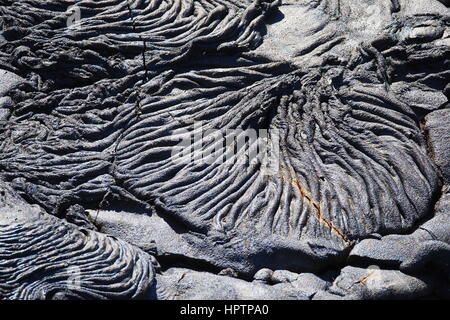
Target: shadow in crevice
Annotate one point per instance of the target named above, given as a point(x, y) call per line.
point(272, 17)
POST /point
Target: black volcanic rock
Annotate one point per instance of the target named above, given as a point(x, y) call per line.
point(42, 257)
point(101, 105)
point(437, 128)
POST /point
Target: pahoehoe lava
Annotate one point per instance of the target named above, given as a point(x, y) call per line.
point(43, 257)
point(103, 105)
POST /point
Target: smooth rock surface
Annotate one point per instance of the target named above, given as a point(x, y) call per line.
point(183, 284)
point(375, 283)
point(284, 276)
point(153, 234)
point(309, 284)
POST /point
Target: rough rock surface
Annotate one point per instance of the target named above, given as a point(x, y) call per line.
point(397, 250)
point(43, 257)
point(437, 128)
point(97, 99)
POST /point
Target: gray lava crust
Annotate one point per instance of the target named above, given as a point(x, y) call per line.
point(95, 98)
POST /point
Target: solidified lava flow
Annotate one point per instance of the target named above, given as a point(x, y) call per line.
point(98, 97)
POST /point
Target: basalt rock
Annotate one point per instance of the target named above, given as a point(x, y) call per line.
point(375, 284)
point(184, 284)
point(436, 126)
point(43, 257)
point(112, 101)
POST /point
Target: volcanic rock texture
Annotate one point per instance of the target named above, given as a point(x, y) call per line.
point(96, 96)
